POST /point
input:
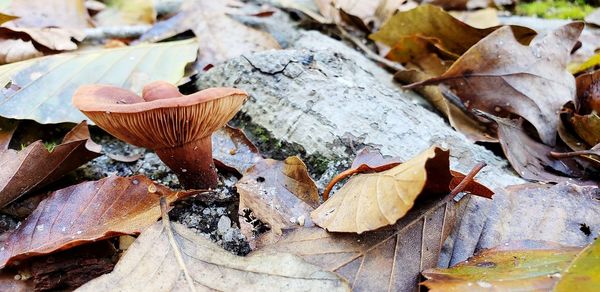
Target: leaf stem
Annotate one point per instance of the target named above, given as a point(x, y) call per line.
point(167, 225)
point(467, 180)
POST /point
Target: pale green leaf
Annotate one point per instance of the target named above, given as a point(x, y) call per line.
point(41, 89)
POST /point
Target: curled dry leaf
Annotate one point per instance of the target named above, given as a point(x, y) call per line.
point(233, 151)
point(60, 75)
point(86, 212)
point(371, 160)
point(278, 191)
point(387, 259)
point(50, 13)
point(152, 254)
point(35, 166)
point(583, 274)
point(500, 76)
point(370, 201)
point(220, 37)
point(530, 158)
point(411, 34)
point(516, 266)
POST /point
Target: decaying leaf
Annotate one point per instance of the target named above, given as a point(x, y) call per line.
point(151, 254)
point(35, 166)
point(530, 158)
point(587, 127)
point(15, 50)
point(279, 192)
point(220, 37)
point(583, 274)
point(371, 160)
point(50, 13)
point(86, 212)
point(366, 15)
point(60, 75)
point(482, 18)
point(431, 66)
point(387, 259)
point(517, 266)
point(428, 25)
point(126, 12)
point(500, 76)
point(371, 201)
point(232, 150)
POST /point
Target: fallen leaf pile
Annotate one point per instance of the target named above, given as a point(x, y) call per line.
point(379, 225)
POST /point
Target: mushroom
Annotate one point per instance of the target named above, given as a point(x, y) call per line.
point(177, 127)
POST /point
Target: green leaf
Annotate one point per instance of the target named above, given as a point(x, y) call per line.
point(41, 89)
point(584, 272)
point(518, 266)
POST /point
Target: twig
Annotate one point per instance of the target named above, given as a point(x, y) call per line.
point(176, 251)
point(468, 179)
point(370, 54)
point(107, 32)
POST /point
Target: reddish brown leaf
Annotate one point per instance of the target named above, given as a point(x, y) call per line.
point(371, 160)
point(35, 166)
point(279, 192)
point(233, 151)
point(500, 76)
point(86, 212)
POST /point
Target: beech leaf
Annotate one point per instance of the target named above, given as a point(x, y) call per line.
point(371, 160)
point(516, 266)
point(370, 201)
point(60, 75)
point(86, 212)
point(35, 166)
point(232, 150)
point(500, 76)
point(210, 267)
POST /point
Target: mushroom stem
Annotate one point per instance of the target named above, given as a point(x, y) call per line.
point(193, 163)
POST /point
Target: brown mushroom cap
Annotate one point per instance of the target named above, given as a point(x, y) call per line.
point(162, 121)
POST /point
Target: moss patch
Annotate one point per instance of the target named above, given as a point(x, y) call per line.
point(555, 9)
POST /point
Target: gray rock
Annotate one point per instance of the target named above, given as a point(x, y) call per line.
point(223, 225)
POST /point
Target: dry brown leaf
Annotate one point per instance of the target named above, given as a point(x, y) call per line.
point(500, 76)
point(366, 15)
point(430, 26)
point(432, 66)
point(86, 212)
point(220, 37)
point(530, 158)
point(210, 267)
point(371, 160)
point(387, 259)
point(482, 18)
point(279, 193)
point(35, 166)
point(371, 201)
point(14, 50)
point(50, 13)
point(233, 151)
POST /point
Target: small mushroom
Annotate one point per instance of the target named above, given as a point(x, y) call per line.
point(177, 127)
